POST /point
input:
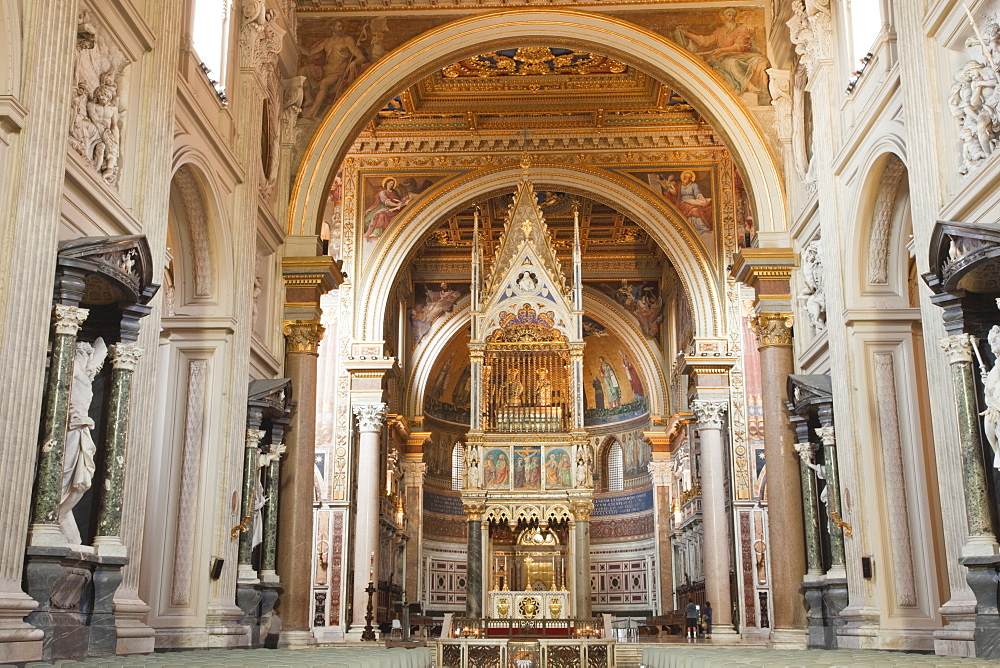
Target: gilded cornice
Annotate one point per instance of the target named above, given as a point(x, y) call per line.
point(367, 7)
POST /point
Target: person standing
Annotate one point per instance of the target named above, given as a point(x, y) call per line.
point(706, 619)
point(691, 615)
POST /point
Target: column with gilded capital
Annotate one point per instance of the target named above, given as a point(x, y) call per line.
point(717, 552)
point(370, 420)
point(474, 559)
point(828, 437)
point(784, 484)
point(295, 524)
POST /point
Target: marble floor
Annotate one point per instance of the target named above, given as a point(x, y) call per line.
point(335, 657)
point(731, 657)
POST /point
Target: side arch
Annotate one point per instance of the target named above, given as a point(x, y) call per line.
point(631, 43)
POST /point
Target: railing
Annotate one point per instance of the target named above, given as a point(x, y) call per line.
point(527, 628)
point(528, 419)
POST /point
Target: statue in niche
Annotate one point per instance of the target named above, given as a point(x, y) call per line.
point(473, 475)
point(991, 396)
point(543, 388)
point(584, 478)
point(78, 457)
point(814, 293)
point(526, 281)
point(512, 390)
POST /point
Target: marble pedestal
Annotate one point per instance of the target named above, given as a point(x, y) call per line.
point(257, 601)
point(984, 580)
point(76, 591)
point(825, 599)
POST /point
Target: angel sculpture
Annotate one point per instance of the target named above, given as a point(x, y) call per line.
point(991, 396)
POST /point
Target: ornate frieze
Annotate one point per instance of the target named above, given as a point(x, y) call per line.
point(302, 336)
point(370, 416)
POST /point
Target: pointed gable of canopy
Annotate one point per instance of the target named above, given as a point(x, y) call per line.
point(526, 270)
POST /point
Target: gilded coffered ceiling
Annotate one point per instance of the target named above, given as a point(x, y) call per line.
point(613, 245)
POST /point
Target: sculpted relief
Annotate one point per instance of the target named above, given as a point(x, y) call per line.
point(96, 115)
point(975, 99)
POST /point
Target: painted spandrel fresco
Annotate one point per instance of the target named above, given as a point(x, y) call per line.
point(613, 388)
point(691, 192)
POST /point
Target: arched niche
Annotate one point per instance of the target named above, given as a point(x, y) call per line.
point(628, 42)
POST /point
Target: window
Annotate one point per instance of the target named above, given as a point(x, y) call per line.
point(209, 34)
point(616, 482)
point(458, 466)
point(865, 18)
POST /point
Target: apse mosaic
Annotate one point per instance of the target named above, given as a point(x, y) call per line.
point(613, 388)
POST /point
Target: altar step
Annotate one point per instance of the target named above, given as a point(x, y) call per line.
point(628, 655)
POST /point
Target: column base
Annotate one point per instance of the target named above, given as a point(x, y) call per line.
point(984, 578)
point(860, 630)
point(788, 639)
point(724, 634)
point(110, 546)
point(958, 637)
point(46, 535)
point(20, 642)
point(296, 640)
point(225, 630)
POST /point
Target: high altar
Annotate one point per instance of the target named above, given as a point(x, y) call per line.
point(528, 490)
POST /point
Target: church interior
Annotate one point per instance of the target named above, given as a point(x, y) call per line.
point(474, 333)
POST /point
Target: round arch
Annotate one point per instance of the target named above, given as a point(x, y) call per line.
point(650, 363)
point(628, 42)
point(689, 256)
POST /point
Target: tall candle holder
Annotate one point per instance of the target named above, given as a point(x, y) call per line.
point(369, 633)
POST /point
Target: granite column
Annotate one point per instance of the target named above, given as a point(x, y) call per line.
point(784, 486)
point(828, 437)
point(581, 558)
point(474, 574)
point(295, 523)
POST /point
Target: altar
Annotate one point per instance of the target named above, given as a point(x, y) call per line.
point(527, 604)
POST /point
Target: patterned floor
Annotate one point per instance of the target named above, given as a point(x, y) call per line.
point(731, 657)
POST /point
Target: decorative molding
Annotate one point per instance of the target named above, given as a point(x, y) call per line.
point(957, 348)
point(68, 319)
point(187, 502)
point(885, 206)
point(709, 414)
point(779, 85)
point(302, 336)
point(893, 479)
point(126, 356)
point(370, 416)
point(772, 329)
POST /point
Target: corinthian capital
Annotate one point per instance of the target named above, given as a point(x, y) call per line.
point(827, 435)
point(68, 319)
point(125, 356)
point(254, 437)
point(370, 416)
point(805, 451)
point(957, 348)
point(302, 336)
point(709, 414)
point(772, 329)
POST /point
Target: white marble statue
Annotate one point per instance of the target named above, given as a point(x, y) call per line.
point(814, 293)
point(473, 477)
point(991, 396)
point(975, 99)
point(78, 457)
point(584, 477)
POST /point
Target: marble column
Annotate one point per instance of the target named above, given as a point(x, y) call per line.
point(784, 487)
point(413, 481)
point(295, 516)
point(108, 541)
point(958, 350)
point(810, 513)
point(717, 551)
point(366, 527)
point(662, 476)
point(244, 530)
point(272, 463)
point(836, 524)
point(474, 559)
point(581, 558)
point(48, 485)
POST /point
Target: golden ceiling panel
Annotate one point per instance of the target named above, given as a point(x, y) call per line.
point(531, 61)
